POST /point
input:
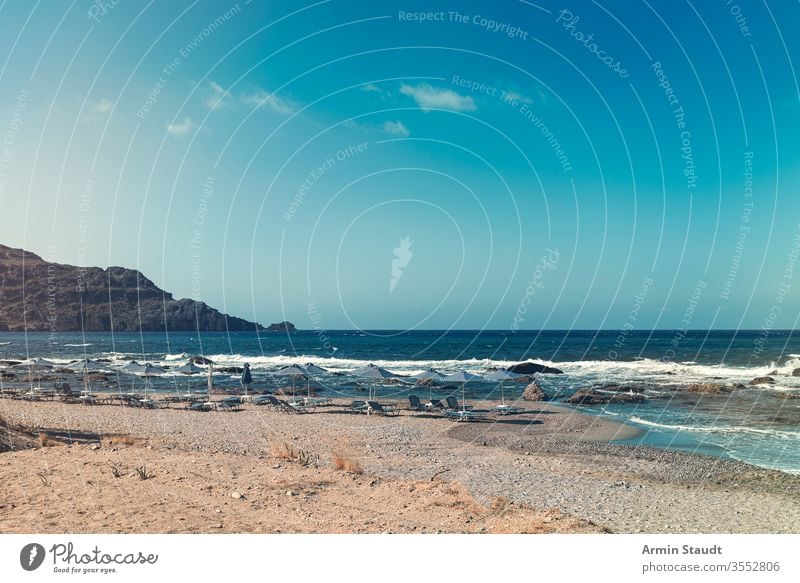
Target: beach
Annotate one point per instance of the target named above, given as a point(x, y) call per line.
point(548, 469)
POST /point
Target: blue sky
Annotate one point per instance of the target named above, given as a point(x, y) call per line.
point(265, 156)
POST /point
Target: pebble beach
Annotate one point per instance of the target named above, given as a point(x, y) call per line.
point(548, 469)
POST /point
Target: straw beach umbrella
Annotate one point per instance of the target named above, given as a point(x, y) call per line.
point(431, 373)
point(37, 362)
point(188, 368)
point(293, 371)
point(500, 376)
point(463, 377)
point(312, 370)
point(373, 372)
point(86, 366)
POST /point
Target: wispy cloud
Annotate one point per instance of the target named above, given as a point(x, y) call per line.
point(396, 128)
point(262, 98)
point(428, 97)
point(181, 128)
point(517, 96)
point(97, 110)
point(217, 96)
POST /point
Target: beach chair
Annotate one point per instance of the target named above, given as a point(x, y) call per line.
point(452, 403)
point(437, 404)
point(358, 406)
point(284, 406)
point(379, 409)
point(197, 406)
point(460, 415)
point(507, 410)
point(414, 404)
point(260, 400)
point(230, 404)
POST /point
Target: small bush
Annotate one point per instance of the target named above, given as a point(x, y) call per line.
point(141, 471)
point(120, 439)
point(116, 470)
point(286, 451)
point(346, 464)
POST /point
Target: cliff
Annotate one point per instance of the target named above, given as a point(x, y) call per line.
point(64, 298)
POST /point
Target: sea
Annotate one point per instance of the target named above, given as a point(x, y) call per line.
point(757, 424)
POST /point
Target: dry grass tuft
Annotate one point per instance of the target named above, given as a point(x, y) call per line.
point(286, 451)
point(141, 471)
point(120, 439)
point(47, 441)
point(346, 464)
point(116, 470)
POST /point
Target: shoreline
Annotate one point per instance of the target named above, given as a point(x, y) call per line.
point(550, 459)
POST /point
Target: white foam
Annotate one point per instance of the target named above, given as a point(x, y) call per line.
point(720, 429)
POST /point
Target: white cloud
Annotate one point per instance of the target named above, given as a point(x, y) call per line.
point(262, 98)
point(428, 97)
point(515, 96)
point(97, 110)
point(181, 128)
point(216, 97)
point(371, 88)
point(396, 128)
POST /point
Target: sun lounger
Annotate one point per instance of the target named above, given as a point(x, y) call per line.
point(452, 403)
point(197, 406)
point(260, 400)
point(230, 404)
point(508, 410)
point(379, 409)
point(358, 406)
point(437, 404)
point(284, 406)
point(414, 404)
point(466, 415)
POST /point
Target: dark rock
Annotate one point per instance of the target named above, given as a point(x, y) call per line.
point(627, 398)
point(708, 388)
point(762, 381)
point(588, 397)
point(796, 372)
point(68, 298)
point(533, 392)
point(230, 370)
point(281, 327)
point(425, 382)
point(593, 397)
point(200, 360)
point(531, 367)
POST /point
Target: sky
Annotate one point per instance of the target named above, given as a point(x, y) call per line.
point(415, 164)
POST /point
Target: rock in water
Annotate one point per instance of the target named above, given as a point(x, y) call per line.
point(281, 327)
point(588, 397)
point(796, 372)
point(592, 397)
point(762, 381)
point(533, 392)
point(708, 388)
point(531, 367)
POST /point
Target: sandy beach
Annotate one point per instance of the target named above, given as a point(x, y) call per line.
point(549, 469)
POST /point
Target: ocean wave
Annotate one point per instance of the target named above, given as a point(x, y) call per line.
point(719, 429)
point(84, 345)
